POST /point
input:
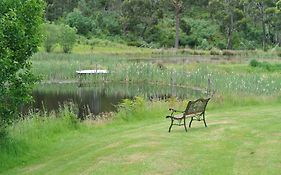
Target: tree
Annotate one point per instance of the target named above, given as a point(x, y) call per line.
point(20, 35)
point(178, 5)
point(58, 8)
point(67, 38)
point(266, 18)
point(83, 24)
point(140, 16)
point(278, 5)
point(229, 15)
point(50, 36)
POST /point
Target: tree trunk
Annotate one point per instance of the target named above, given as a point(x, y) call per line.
point(261, 8)
point(229, 33)
point(177, 26)
point(279, 39)
point(229, 39)
point(143, 31)
point(263, 35)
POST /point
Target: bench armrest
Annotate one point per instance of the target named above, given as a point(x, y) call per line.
point(174, 110)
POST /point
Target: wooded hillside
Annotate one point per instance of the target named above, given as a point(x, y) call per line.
point(201, 24)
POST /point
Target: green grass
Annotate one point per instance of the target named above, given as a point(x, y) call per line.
point(238, 140)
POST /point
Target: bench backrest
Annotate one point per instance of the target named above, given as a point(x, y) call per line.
point(197, 106)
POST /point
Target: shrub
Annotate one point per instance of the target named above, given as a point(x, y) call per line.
point(265, 65)
point(228, 52)
point(129, 107)
point(68, 113)
point(215, 51)
point(200, 52)
point(203, 34)
point(67, 38)
point(19, 38)
point(83, 24)
point(254, 63)
point(50, 36)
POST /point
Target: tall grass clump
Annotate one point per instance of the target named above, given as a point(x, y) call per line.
point(31, 137)
point(265, 65)
point(233, 82)
point(140, 109)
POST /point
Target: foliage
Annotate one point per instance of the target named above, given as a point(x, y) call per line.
point(164, 33)
point(139, 17)
point(62, 34)
point(254, 63)
point(202, 34)
point(231, 24)
point(108, 24)
point(215, 51)
point(131, 108)
point(67, 38)
point(58, 8)
point(19, 38)
point(265, 65)
point(83, 24)
point(50, 36)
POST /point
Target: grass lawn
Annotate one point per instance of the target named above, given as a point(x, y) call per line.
point(240, 140)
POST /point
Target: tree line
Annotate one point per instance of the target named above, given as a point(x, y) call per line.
point(201, 24)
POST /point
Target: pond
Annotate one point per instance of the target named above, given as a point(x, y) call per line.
point(100, 98)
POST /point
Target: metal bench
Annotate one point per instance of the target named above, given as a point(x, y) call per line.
point(195, 110)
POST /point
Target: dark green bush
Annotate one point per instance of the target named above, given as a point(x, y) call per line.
point(83, 24)
point(202, 34)
point(265, 65)
point(254, 63)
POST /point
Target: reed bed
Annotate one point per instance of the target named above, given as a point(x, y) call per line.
point(61, 67)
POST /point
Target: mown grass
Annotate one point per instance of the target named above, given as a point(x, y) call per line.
point(240, 140)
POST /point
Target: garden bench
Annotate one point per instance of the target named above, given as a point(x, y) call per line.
point(195, 110)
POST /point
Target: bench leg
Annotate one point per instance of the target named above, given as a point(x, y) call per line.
point(184, 125)
point(204, 120)
point(190, 122)
point(172, 122)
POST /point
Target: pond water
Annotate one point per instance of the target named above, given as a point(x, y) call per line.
point(99, 98)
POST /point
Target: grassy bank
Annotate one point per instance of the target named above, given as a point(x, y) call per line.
point(240, 140)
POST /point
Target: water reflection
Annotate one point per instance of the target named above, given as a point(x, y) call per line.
point(97, 98)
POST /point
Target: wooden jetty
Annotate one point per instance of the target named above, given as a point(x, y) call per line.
point(81, 73)
point(101, 71)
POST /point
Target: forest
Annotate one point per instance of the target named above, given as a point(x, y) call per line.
point(201, 24)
